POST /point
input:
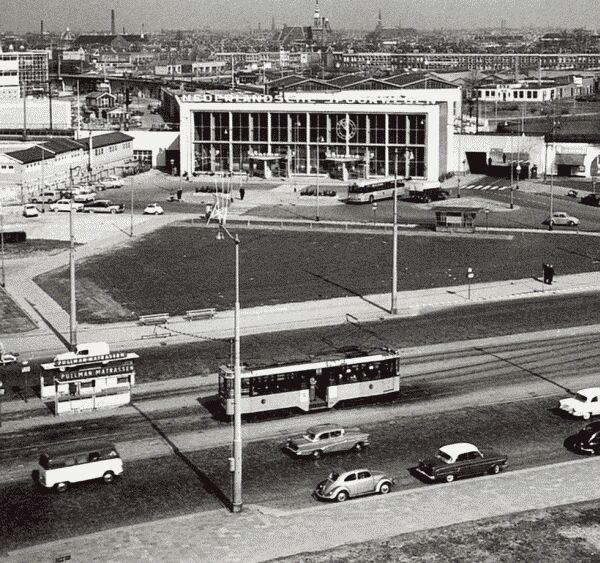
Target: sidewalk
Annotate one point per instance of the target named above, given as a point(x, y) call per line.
point(287, 316)
point(259, 534)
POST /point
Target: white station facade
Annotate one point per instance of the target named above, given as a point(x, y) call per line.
point(345, 134)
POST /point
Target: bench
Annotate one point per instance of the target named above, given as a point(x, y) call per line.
point(158, 319)
point(197, 314)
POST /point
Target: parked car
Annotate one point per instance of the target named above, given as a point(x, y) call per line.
point(65, 205)
point(562, 218)
point(113, 182)
point(572, 193)
point(437, 195)
point(47, 196)
point(358, 482)
point(591, 199)
point(587, 440)
point(6, 359)
point(30, 210)
point(460, 460)
point(85, 195)
point(103, 206)
point(326, 439)
point(419, 197)
point(584, 404)
point(153, 209)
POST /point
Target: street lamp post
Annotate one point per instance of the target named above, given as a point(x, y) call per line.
point(394, 304)
point(73, 301)
point(374, 208)
point(236, 461)
point(3, 279)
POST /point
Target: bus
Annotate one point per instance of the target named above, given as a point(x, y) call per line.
point(73, 464)
point(315, 385)
point(367, 191)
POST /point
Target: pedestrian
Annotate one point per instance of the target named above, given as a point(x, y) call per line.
point(550, 274)
point(242, 193)
point(313, 389)
point(546, 272)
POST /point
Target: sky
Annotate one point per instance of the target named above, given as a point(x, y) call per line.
point(89, 15)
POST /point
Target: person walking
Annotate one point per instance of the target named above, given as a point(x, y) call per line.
point(242, 193)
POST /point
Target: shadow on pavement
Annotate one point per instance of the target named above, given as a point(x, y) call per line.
point(207, 483)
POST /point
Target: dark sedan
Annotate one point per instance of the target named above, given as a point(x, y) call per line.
point(587, 440)
point(460, 460)
point(103, 206)
point(591, 199)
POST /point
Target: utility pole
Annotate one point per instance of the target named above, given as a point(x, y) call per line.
point(131, 214)
point(394, 305)
point(3, 279)
point(73, 302)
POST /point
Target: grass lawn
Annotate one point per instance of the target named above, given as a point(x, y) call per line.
point(181, 267)
point(12, 318)
point(569, 534)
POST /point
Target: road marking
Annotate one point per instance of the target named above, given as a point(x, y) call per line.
point(504, 188)
point(495, 188)
point(486, 188)
point(478, 187)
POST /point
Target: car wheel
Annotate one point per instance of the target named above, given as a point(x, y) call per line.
point(449, 478)
point(359, 447)
point(61, 487)
point(586, 416)
point(108, 477)
point(341, 496)
point(55, 209)
point(318, 454)
point(385, 489)
point(113, 211)
point(495, 469)
point(571, 223)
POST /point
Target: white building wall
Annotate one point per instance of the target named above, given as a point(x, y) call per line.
point(37, 113)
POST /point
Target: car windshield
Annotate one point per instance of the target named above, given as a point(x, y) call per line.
point(443, 456)
point(333, 476)
point(310, 436)
point(580, 397)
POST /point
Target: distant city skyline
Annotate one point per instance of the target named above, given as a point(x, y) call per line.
point(90, 15)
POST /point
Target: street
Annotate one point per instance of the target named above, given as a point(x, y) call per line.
point(499, 396)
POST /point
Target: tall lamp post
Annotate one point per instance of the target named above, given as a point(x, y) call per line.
point(236, 462)
point(555, 125)
point(319, 140)
point(3, 279)
point(394, 305)
point(73, 301)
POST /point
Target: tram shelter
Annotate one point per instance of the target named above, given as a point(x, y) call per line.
point(455, 218)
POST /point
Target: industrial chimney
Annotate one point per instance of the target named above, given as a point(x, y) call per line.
point(42, 29)
point(112, 22)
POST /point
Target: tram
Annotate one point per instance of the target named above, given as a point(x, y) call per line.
point(315, 385)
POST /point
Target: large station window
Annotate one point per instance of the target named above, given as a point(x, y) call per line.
point(416, 129)
point(279, 127)
point(221, 126)
point(260, 126)
point(357, 132)
point(299, 127)
point(377, 129)
point(318, 128)
point(241, 126)
point(397, 133)
point(202, 126)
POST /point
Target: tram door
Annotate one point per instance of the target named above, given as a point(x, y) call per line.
point(317, 385)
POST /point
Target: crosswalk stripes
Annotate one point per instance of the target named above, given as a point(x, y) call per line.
point(490, 187)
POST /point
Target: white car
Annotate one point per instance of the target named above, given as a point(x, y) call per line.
point(584, 404)
point(153, 209)
point(30, 210)
point(6, 359)
point(562, 218)
point(113, 182)
point(65, 205)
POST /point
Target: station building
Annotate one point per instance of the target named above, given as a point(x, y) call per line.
point(356, 128)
